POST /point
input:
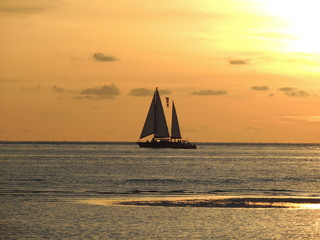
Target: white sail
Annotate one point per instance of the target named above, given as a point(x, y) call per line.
point(155, 122)
point(175, 129)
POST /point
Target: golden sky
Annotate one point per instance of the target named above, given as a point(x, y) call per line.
point(238, 70)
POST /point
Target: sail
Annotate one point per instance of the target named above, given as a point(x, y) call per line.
point(175, 129)
point(155, 122)
point(161, 128)
point(149, 127)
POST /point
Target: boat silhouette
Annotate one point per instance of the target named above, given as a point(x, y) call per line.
point(156, 125)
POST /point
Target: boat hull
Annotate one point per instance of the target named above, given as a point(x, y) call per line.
point(183, 145)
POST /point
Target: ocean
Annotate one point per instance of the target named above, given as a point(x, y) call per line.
point(105, 190)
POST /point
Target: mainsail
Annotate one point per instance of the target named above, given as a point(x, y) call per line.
point(175, 129)
point(148, 127)
point(155, 122)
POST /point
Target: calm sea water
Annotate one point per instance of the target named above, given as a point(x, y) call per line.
point(42, 186)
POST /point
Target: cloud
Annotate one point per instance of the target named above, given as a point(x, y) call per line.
point(209, 92)
point(286, 89)
point(141, 92)
point(101, 57)
point(103, 92)
point(298, 93)
point(252, 129)
point(35, 88)
point(299, 58)
point(7, 80)
point(301, 118)
point(2, 131)
point(260, 88)
point(69, 57)
point(57, 89)
point(65, 92)
point(293, 92)
point(165, 91)
point(26, 6)
point(238, 61)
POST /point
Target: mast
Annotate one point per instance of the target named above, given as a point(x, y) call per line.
point(161, 128)
point(175, 129)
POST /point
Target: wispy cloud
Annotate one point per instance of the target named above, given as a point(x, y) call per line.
point(26, 6)
point(209, 92)
point(287, 58)
point(35, 88)
point(141, 92)
point(238, 61)
point(260, 88)
point(58, 89)
point(101, 57)
point(165, 91)
point(2, 131)
point(7, 80)
point(301, 118)
point(286, 89)
point(293, 92)
point(95, 93)
point(252, 129)
point(180, 13)
point(65, 92)
point(102, 92)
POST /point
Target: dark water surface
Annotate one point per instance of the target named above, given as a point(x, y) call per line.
point(56, 190)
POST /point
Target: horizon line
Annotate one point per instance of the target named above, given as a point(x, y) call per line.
point(103, 142)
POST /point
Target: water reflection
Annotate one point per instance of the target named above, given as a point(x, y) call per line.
point(211, 202)
point(310, 206)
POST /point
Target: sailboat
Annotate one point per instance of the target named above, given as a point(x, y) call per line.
point(156, 125)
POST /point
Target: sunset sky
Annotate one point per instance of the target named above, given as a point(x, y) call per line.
point(238, 70)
